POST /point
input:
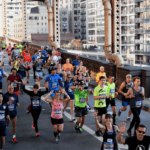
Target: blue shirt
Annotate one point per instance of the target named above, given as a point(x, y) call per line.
point(11, 107)
point(34, 57)
point(68, 86)
point(1, 74)
point(3, 113)
point(43, 55)
point(75, 63)
point(54, 82)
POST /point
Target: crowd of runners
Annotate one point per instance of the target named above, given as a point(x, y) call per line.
point(64, 83)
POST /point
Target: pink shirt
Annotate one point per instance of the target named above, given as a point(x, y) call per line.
point(57, 110)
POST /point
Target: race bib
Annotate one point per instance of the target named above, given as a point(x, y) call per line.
point(2, 117)
point(35, 103)
point(11, 107)
point(102, 95)
point(138, 104)
point(81, 100)
point(14, 84)
point(109, 145)
point(112, 91)
point(54, 85)
point(57, 112)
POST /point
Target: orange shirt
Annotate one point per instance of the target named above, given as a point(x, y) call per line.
point(99, 75)
point(68, 67)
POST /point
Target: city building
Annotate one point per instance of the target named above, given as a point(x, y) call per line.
point(1, 24)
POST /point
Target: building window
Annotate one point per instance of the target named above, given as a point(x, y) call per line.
point(75, 18)
point(45, 23)
point(45, 17)
point(30, 18)
point(75, 5)
point(64, 19)
point(36, 18)
point(41, 18)
point(75, 12)
point(37, 23)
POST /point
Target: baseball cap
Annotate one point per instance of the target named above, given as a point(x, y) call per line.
point(128, 76)
point(108, 115)
point(35, 86)
point(38, 57)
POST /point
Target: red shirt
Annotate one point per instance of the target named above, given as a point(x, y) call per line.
point(24, 52)
point(9, 50)
point(11, 78)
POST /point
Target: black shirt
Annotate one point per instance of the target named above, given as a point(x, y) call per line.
point(135, 144)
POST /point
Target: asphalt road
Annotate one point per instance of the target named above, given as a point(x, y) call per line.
point(70, 139)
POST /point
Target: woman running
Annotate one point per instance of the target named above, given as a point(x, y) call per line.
point(9, 50)
point(56, 115)
point(60, 72)
point(80, 67)
point(15, 63)
point(36, 106)
point(109, 133)
point(27, 59)
point(22, 68)
point(50, 63)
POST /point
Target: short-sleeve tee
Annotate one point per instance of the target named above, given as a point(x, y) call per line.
point(80, 98)
point(135, 144)
point(68, 68)
point(98, 91)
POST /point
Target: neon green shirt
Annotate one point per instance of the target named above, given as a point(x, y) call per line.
point(98, 91)
point(111, 89)
point(80, 98)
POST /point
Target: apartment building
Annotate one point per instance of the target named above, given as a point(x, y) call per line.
point(37, 22)
point(1, 24)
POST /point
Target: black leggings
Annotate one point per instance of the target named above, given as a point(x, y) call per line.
point(136, 118)
point(35, 114)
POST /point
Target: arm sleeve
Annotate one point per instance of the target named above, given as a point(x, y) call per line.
point(27, 92)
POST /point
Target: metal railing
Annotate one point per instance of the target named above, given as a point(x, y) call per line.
point(139, 31)
point(138, 41)
point(139, 9)
point(100, 32)
point(127, 42)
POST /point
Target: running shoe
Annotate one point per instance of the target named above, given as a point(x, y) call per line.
point(37, 134)
point(73, 120)
point(59, 135)
point(33, 126)
point(56, 140)
point(76, 127)
point(14, 140)
point(80, 130)
point(128, 119)
point(119, 112)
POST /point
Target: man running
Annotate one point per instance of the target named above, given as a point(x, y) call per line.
point(9, 51)
point(139, 142)
point(15, 52)
point(80, 104)
point(12, 100)
point(101, 73)
point(123, 90)
point(100, 95)
point(4, 114)
point(13, 79)
point(75, 64)
point(111, 92)
point(137, 96)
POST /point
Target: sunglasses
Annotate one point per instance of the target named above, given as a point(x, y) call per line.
point(141, 132)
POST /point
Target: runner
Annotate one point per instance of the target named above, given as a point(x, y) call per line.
point(12, 100)
point(54, 81)
point(138, 142)
point(14, 79)
point(123, 90)
point(111, 101)
point(4, 114)
point(15, 52)
point(9, 51)
point(68, 82)
point(1, 74)
point(100, 95)
point(86, 86)
point(80, 104)
point(39, 70)
point(3, 43)
point(80, 67)
point(60, 72)
point(50, 63)
point(15, 63)
point(58, 54)
point(25, 51)
point(56, 115)
point(1, 56)
point(110, 131)
point(43, 55)
point(101, 73)
point(75, 63)
point(34, 58)
point(68, 68)
point(36, 105)
point(55, 58)
point(137, 95)
point(27, 60)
